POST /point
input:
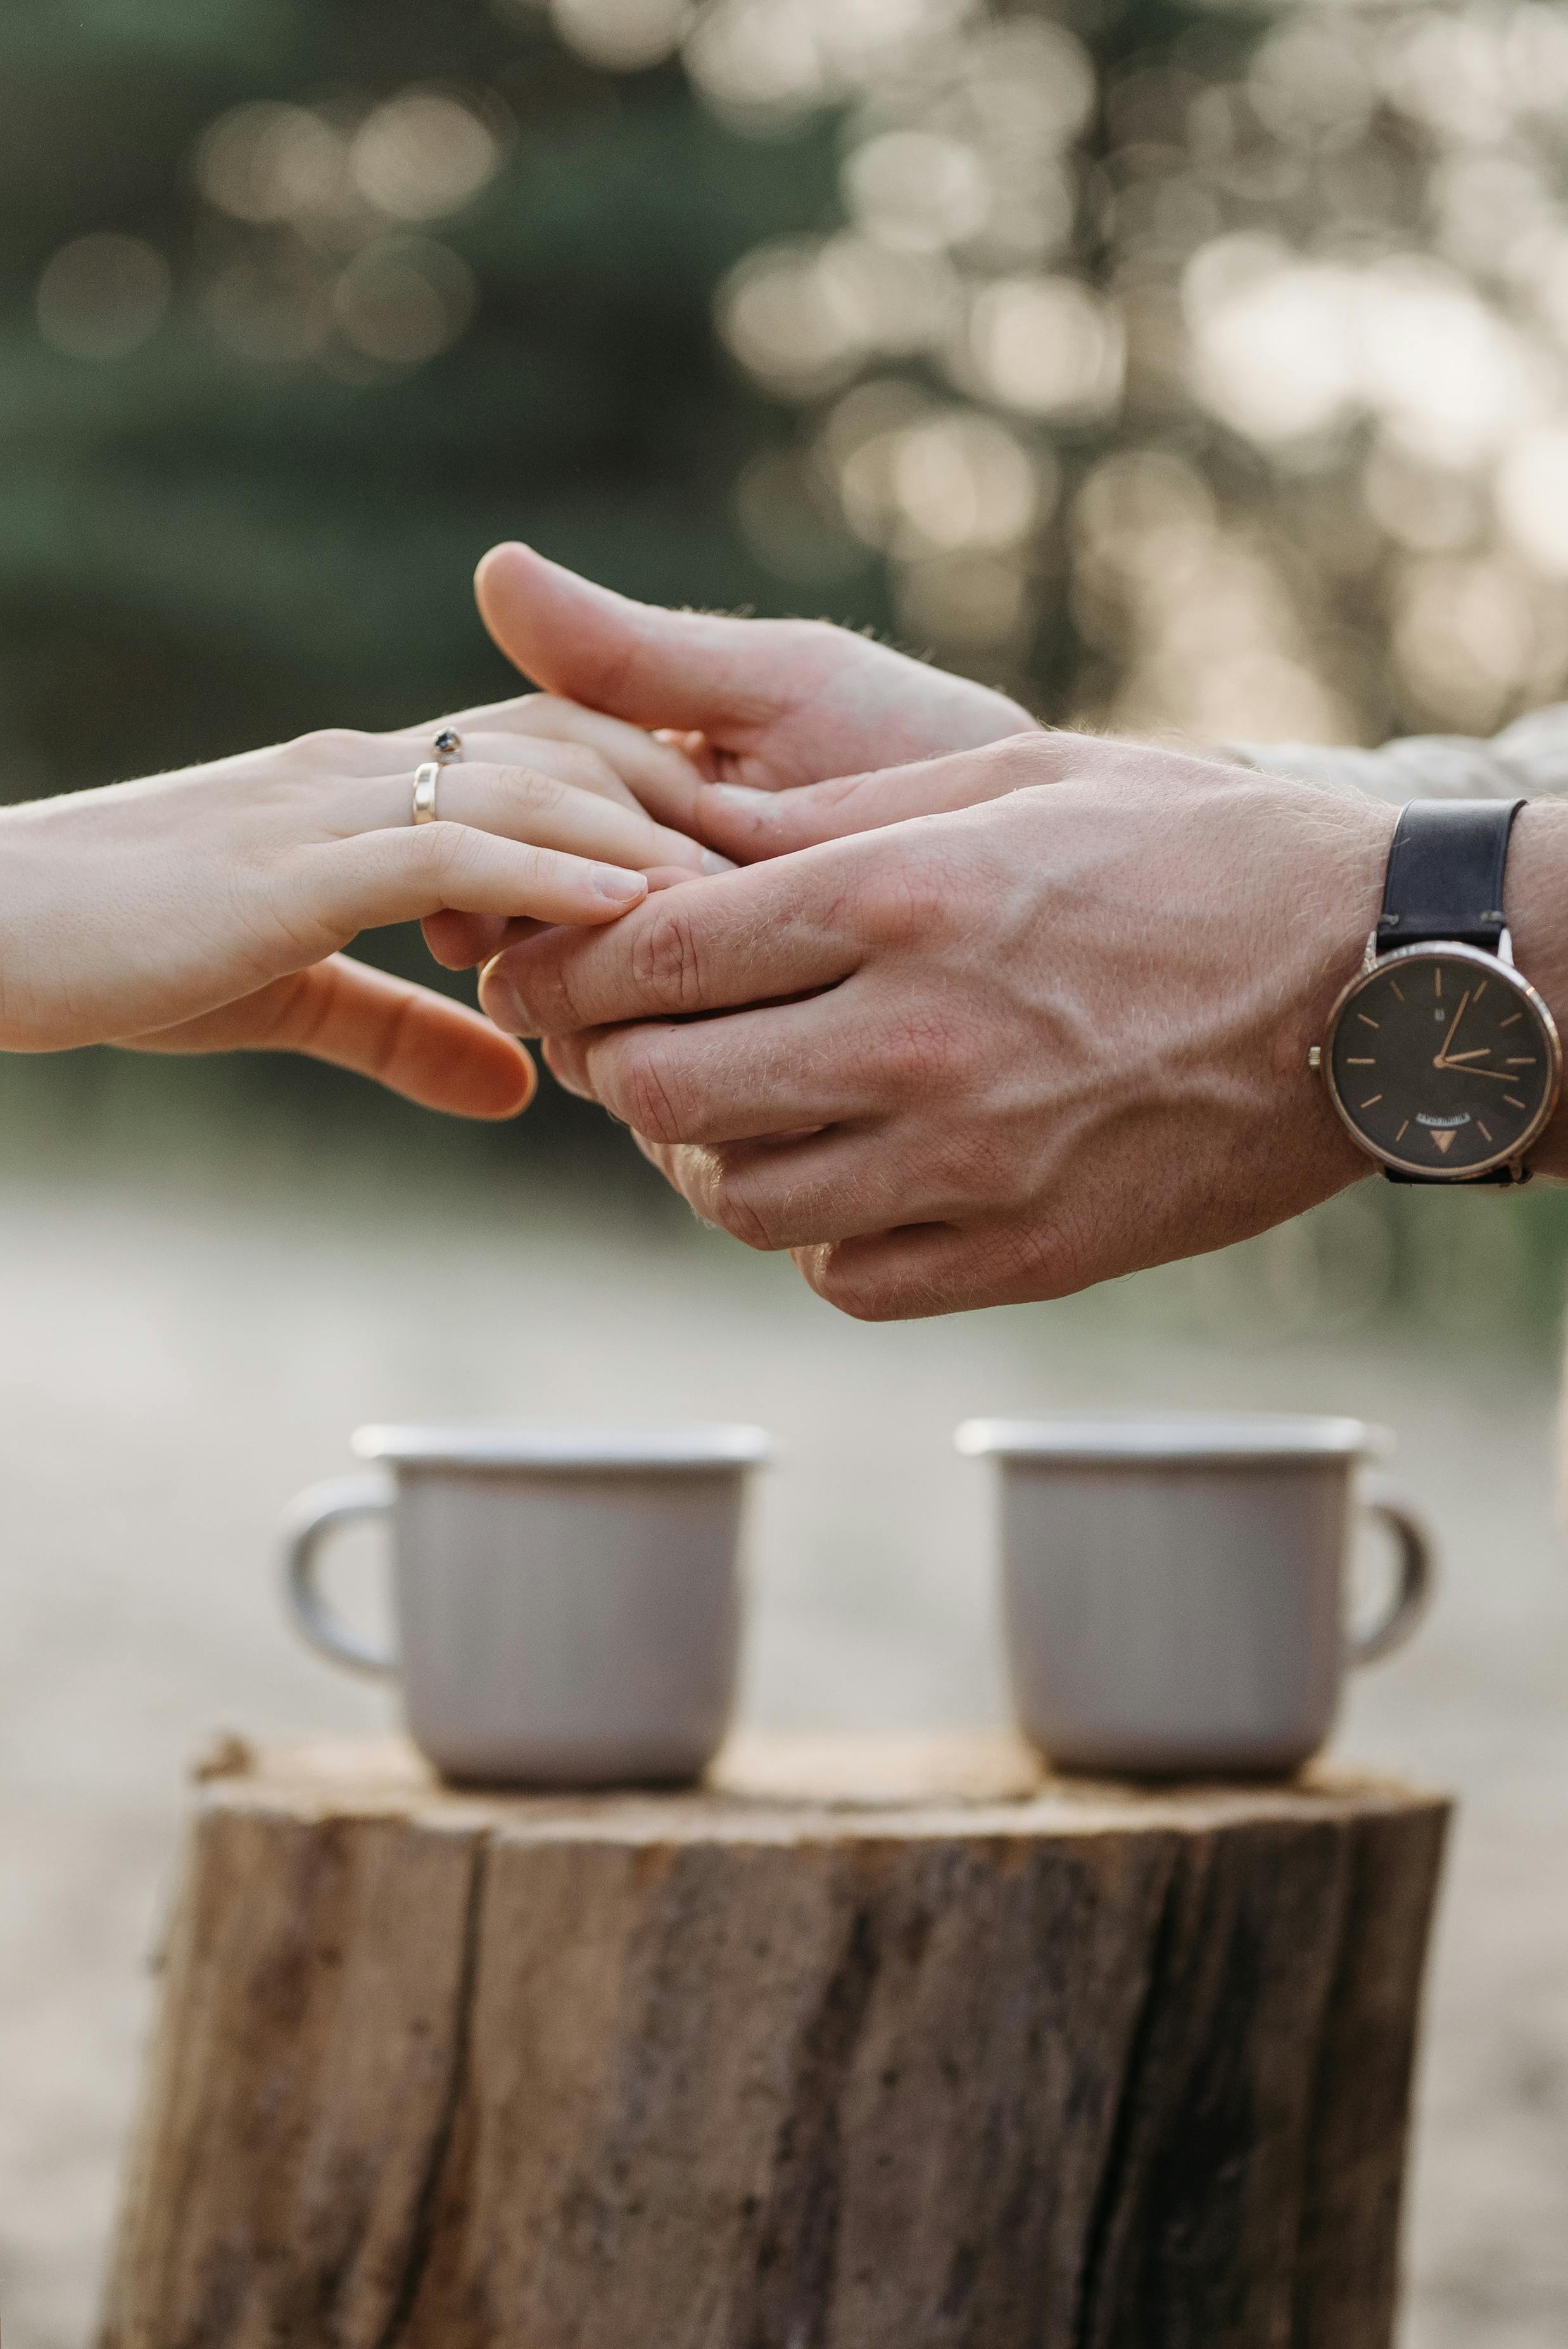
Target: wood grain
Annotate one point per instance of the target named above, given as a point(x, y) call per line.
point(867, 2044)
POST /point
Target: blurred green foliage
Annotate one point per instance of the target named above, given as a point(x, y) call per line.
point(199, 551)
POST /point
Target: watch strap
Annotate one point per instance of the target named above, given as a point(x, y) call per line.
point(1465, 1182)
point(1445, 874)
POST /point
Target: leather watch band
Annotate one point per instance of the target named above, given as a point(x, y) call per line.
point(1445, 874)
point(1499, 1175)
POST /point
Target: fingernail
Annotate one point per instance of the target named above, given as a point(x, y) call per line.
point(741, 798)
point(712, 861)
point(622, 888)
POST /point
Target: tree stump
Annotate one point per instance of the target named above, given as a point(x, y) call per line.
point(866, 2045)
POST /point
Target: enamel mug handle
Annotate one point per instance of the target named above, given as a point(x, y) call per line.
point(1417, 1578)
point(312, 1516)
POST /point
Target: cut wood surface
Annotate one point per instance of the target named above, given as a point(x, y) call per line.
point(868, 2043)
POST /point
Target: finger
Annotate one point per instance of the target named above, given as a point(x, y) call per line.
point(634, 762)
point(744, 937)
point(660, 775)
point(462, 941)
point(748, 825)
point(573, 763)
point(564, 1056)
point(596, 753)
point(423, 869)
point(912, 1271)
point(797, 1191)
point(431, 1051)
point(524, 802)
point(764, 1191)
point(789, 1068)
point(655, 667)
point(339, 751)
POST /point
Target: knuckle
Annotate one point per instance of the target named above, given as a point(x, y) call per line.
point(665, 962)
point(653, 1099)
point(328, 747)
point(447, 851)
point(1053, 1259)
point(585, 766)
point(533, 789)
point(904, 898)
point(848, 1285)
point(1019, 1258)
point(977, 1168)
point(561, 998)
point(732, 1199)
point(531, 984)
point(1013, 764)
point(817, 637)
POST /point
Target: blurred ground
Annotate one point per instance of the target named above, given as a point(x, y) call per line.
point(174, 1363)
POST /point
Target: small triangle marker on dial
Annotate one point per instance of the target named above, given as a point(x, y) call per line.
point(1445, 1143)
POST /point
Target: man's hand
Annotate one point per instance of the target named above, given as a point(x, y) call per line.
point(777, 702)
point(753, 707)
point(1001, 1052)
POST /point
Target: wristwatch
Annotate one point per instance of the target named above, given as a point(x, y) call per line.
point(1441, 1057)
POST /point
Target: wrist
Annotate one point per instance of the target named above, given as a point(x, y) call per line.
point(1438, 1057)
point(1535, 890)
point(1349, 894)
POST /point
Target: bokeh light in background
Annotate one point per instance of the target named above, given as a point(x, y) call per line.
point(307, 270)
point(1281, 318)
point(101, 296)
point(1279, 298)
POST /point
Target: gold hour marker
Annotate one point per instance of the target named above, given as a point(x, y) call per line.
point(1512, 1102)
point(1511, 1018)
point(1397, 988)
point(1485, 1136)
point(1522, 1060)
point(1403, 1130)
point(1371, 1023)
point(1437, 978)
point(1368, 1104)
point(1442, 1142)
point(1359, 1064)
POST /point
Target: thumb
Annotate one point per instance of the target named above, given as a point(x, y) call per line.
point(684, 669)
point(750, 825)
point(416, 1043)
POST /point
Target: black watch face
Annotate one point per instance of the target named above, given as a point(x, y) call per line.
point(1443, 1061)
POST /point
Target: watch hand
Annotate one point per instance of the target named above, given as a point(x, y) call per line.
point(1452, 1059)
point(1443, 1055)
point(1498, 1076)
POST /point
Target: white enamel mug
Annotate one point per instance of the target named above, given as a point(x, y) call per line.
point(1174, 1586)
point(567, 1600)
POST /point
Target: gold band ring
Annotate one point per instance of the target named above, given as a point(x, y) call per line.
point(426, 777)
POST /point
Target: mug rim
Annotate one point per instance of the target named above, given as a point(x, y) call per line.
point(1158, 1437)
point(564, 1446)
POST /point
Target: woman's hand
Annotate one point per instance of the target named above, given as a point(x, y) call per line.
point(204, 911)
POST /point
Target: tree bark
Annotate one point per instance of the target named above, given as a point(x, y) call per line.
point(869, 2045)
